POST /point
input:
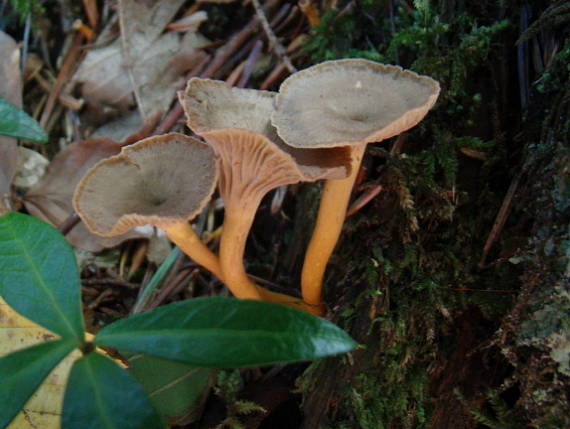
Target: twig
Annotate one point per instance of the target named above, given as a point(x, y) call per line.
point(92, 13)
point(102, 296)
point(68, 224)
point(273, 76)
point(397, 147)
point(277, 22)
point(310, 11)
point(280, 69)
point(62, 77)
point(273, 42)
point(173, 287)
point(110, 282)
point(502, 217)
point(235, 74)
point(250, 63)
point(364, 199)
point(223, 53)
point(176, 112)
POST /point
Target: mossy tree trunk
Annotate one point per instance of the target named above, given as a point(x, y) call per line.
point(459, 330)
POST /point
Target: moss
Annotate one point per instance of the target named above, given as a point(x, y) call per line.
point(24, 8)
point(411, 286)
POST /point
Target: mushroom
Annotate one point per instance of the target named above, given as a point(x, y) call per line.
point(163, 181)
point(338, 103)
point(252, 161)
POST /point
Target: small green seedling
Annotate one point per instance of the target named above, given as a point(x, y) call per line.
point(16, 123)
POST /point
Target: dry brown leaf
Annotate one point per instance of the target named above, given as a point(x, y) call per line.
point(156, 62)
point(105, 79)
point(121, 128)
point(142, 23)
point(143, 63)
point(11, 90)
point(50, 199)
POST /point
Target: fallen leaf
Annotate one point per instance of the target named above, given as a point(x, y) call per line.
point(143, 64)
point(120, 128)
point(11, 90)
point(43, 409)
point(50, 199)
point(115, 88)
point(155, 61)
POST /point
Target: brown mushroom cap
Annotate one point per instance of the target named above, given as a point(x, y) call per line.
point(211, 105)
point(161, 180)
point(353, 101)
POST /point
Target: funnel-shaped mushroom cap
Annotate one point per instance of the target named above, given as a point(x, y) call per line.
point(354, 101)
point(161, 180)
point(211, 105)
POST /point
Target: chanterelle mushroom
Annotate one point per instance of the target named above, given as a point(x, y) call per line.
point(163, 181)
point(252, 160)
point(338, 103)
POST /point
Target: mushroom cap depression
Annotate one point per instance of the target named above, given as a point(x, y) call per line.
point(161, 180)
point(218, 112)
point(348, 102)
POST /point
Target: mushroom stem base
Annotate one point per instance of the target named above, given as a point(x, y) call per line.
point(237, 224)
point(290, 301)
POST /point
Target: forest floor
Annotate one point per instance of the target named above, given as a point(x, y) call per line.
point(454, 265)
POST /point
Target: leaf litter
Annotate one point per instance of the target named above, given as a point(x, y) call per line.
point(114, 90)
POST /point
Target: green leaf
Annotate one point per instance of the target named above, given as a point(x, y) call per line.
point(177, 391)
point(227, 333)
point(23, 371)
point(38, 275)
point(101, 395)
point(16, 123)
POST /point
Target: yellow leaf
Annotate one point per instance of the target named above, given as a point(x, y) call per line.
point(43, 409)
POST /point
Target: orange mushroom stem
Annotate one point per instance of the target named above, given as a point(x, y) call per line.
point(183, 235)
point(328, 227)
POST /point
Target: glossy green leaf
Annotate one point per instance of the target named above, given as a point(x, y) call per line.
point(23, 371)
point(227, 333)
point(38, 275)
point(177, 391)
point(102, 395)
point(16, 123)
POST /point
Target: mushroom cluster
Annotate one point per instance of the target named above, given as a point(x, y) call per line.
point(316, 127)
